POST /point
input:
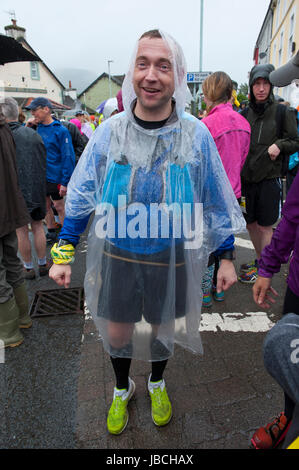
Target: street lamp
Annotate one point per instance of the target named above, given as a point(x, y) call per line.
point(110, 92)
point(201, 35)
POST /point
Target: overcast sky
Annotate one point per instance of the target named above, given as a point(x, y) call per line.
point(86, 34)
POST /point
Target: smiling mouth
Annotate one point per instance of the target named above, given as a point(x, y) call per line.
point(150, 90)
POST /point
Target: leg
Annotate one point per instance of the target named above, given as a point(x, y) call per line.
point(59, 206)
point(11, 278)
point(50, 220)
point(24, 244)
point(265, 238)
point(254, 233)
point(119, 336)
point(39, 238)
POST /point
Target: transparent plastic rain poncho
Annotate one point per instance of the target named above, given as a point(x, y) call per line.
point(162, 203)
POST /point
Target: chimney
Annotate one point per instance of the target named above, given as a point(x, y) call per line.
point(70, 84)
point(15, 31)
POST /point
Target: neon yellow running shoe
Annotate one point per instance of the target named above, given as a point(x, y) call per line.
point(118, 415)
point(161, 406)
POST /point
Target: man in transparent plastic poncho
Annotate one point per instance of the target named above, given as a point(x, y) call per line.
point(162, 203)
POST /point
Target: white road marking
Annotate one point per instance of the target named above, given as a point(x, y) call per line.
point(244, 243)
point(255, 322)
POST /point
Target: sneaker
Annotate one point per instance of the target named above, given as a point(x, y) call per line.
point(250, 277)
point(218, 296)
point(244, 268)
point(207, 300)
point(161, 406)
point(118, 415)
point(271, 435)
point(44, 268)
point(29, 273)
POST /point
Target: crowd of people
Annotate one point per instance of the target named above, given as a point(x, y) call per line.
point(164, 190)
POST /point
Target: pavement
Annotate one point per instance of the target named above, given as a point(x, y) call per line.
point(56, 388)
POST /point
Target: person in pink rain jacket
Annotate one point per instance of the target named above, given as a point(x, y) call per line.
point(231, 133)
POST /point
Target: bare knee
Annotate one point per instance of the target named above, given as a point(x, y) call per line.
point(119, 334)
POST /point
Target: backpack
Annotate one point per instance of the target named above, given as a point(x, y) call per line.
point(279, 118)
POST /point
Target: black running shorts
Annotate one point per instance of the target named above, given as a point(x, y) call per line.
point(53, 191)
point(133, 289)
point(263, 201)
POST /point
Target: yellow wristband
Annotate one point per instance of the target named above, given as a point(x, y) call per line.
point(63, 254)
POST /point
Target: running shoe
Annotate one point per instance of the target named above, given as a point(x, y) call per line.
point(250, 277)
point(207, 300)
point(244, 268)
point(118, 415)
point(44, 268)
point(218, 296)
point(161, 406)
point(271, 435)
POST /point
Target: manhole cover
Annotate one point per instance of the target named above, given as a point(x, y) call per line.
point(57, 302)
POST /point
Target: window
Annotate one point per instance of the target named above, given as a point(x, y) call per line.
point(277, 13)
point(291, 37)
point(34, 71)
point(274, 54)
point(280, 49)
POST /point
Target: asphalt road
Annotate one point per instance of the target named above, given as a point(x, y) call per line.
point(56, 387)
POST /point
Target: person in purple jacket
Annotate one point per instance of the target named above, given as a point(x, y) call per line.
point(281, 351)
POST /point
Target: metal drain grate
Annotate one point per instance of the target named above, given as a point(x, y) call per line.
point(57, 302)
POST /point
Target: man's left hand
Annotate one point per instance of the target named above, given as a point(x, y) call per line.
point(226, 276)
point(273, 151)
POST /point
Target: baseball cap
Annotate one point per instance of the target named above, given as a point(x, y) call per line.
point(79, 111)
point(39, 102)
point(287, 73)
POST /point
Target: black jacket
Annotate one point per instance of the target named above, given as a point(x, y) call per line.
point(264, 132)
point(13, 211)
point(31, 164)
point(77, 139)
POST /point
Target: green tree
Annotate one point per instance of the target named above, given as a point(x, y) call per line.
point(243, 89)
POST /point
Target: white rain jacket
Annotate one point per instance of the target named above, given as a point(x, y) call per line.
point(162, 203)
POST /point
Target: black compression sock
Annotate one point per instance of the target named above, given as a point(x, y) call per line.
point(121, 366)
point(158, 368)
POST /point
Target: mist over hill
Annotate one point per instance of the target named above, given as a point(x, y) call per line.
point(80, 78)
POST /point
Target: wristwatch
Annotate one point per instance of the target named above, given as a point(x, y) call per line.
point(63, 242)
point(229, 254)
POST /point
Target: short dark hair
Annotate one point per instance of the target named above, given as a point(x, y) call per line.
point(152, 34)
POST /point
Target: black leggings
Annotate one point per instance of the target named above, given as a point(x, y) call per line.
point(291, 305)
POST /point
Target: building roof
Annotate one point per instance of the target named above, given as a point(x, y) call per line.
point(56, 106)
point(23, 40)
point(118, 79)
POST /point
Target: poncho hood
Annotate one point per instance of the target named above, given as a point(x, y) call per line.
point(178, 62)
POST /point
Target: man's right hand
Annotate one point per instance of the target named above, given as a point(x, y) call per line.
point(61, 274)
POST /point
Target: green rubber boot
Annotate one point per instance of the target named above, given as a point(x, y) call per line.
point(22, 301)
point(10, 333)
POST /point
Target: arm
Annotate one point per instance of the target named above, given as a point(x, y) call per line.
point(289, 143)
point(226, 275)
point(273, 256)
point(63, 252)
